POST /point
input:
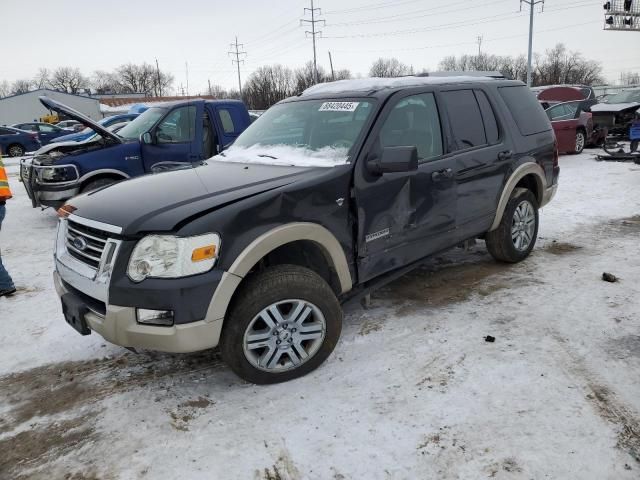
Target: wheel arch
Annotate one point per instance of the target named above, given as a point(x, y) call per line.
point(529, 175)
point(293, 235)
point(103, 173)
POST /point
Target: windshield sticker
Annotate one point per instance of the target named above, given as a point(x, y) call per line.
point(339, 106)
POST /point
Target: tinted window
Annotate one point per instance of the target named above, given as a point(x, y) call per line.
point(47, 128)
point(490, 122)
point(465, 118)
point(226, 120)
point(4, 131)
point(178, 126)
point(525, 109)
point(414, 121)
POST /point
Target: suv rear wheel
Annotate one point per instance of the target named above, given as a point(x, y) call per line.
point(285, 322)
point(516, 235)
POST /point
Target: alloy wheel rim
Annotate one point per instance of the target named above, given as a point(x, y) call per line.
point(579, 142)
point(523, 226)
point(284, 335)
point(15, 152)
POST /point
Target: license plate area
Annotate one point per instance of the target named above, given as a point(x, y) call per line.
point(74, 311)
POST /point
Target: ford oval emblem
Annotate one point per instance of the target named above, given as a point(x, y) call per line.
point(79, 243)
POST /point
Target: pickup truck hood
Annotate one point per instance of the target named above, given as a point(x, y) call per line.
point(159, 202)
point(75, 115)
point(614, 107)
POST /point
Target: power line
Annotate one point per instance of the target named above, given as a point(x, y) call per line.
point(237, 53)
point(375, 6)
point(313, 34)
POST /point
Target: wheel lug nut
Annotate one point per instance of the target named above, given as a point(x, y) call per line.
point(293, 330)
point(278, 342)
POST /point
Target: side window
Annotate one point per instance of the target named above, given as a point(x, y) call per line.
point(414, 121)
point(4, 131)
point(178, 126)
point(525, 109)
point(46, 128)
point(465, 118)
point(490, 123)
point(226, 120)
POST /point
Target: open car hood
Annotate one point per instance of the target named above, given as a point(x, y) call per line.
point(614, 107)
point(75, 115)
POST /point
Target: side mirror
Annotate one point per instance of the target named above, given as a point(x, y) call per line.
point(394, 160)
point(147, 138)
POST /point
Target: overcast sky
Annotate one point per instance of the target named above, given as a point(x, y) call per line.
point(102, 35)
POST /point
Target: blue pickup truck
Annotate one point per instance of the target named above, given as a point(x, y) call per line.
point(166, 136)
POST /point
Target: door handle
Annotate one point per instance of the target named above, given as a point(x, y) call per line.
point(506, 155)
point(441, 175)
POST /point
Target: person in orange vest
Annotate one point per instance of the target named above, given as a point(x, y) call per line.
point(6, 283)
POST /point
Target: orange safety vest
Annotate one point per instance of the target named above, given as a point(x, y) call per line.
point(5, 191)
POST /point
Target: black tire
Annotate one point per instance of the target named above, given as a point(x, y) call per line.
point(264, 289)
point(500, 242)
point(97, 184)
point(15, 150)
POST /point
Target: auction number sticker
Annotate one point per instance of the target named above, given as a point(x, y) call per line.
point(339, 106)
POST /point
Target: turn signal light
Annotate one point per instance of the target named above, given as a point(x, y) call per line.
point(203, 253)
point(66, 210)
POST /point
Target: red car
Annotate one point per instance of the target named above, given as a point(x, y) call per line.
point(573, 127)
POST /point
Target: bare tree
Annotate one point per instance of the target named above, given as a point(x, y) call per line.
point(630, 78)
point(143, 78)
point(20, 86)
point(68, 79)
point(105, 82)
point(344, 74)
point(304, 77)
point(268, 85)
point(41, 80)
point(5, 88)
point(389, 67)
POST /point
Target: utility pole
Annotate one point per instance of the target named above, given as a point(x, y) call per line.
point(159, 81)
point(532, 4)
point(333, 75)
point(313, 34)
point(479, 39)
point(186, 69)
point(209, 81)
point(237, 52)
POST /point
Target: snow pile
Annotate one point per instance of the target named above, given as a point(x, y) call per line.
point(286, 155)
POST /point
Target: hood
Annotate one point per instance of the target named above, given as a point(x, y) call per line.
point(64, 146)
point(75, 115)
point(614, 107)
point(159, 202)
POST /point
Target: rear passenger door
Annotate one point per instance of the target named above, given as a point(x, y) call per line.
point(229, 124)
point(483, 154)
point(403, 217)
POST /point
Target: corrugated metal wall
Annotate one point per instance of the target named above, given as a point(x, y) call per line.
point(27, 107)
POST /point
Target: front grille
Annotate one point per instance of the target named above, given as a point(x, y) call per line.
point(85, 243)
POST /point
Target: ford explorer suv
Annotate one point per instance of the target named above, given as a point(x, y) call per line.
point(324, 198)
point(165, 136)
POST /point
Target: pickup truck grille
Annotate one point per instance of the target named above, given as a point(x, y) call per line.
point(85, 243)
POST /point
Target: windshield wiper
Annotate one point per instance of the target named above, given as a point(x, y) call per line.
point(264, 155)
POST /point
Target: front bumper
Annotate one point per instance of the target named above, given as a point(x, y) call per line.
point(42, 194)
point(118, 324)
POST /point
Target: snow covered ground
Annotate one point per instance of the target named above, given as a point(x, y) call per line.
point(413, 391)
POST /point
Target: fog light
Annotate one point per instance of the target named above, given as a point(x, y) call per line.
point(155, 317)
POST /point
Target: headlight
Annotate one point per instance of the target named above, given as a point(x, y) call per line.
point(167, 256)
point(58, 174)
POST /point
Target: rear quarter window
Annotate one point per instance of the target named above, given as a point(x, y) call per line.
point(525, 110)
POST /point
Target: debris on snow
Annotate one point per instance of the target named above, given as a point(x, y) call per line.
point(609, 277)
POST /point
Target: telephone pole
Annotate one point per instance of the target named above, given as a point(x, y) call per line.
point(479, 39)
point(159, 91)
point(333, 75)
point(237, 52)
point(532, 4)
point(313, 33)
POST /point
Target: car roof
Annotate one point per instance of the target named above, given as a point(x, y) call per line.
point(192, 102)
point(386, 86)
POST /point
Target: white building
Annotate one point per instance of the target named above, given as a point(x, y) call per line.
point(26, 107)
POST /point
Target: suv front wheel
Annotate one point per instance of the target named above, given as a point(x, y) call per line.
point(283, 324)
point(516, 235)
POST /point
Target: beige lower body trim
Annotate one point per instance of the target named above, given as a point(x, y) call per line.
point(549, 193)
point(119, 326)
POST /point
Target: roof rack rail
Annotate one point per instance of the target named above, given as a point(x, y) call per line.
point(471, 73)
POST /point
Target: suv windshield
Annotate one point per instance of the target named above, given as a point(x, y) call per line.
point(142, 124)
point(629, 96)
point(304, 133)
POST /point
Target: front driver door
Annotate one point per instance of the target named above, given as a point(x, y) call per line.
point(403, 217)
point(175, 137)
